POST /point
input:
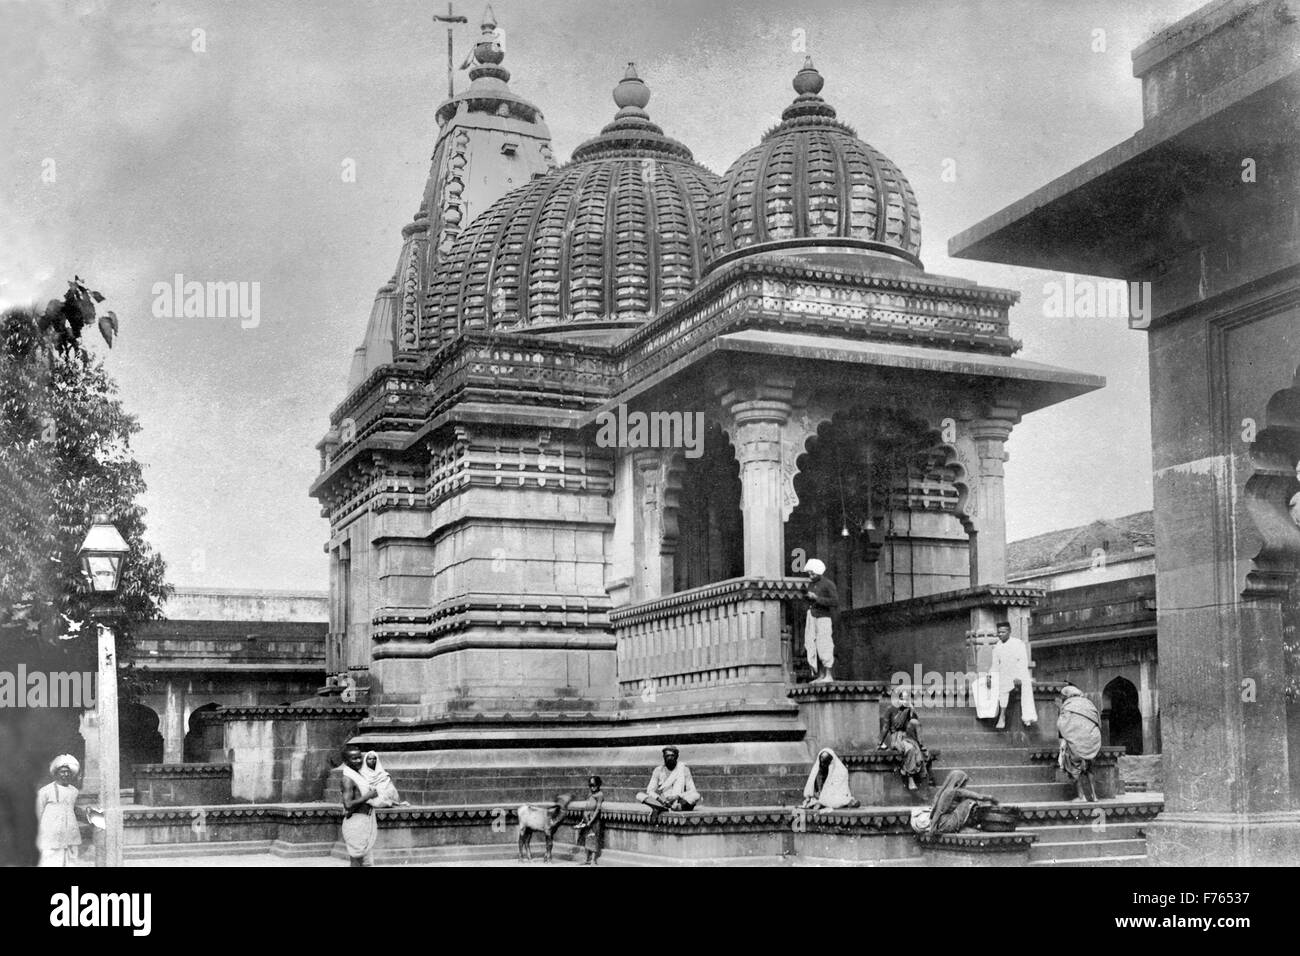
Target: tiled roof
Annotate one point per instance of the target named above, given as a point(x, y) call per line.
point(1054, 548)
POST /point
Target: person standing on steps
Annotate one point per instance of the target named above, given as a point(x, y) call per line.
point(818, 641)
point(1080, 728)
point(1009, 669)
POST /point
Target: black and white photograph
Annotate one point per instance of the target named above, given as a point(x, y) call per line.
point(557, 433)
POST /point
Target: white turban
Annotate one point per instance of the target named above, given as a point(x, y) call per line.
point(64, 760)
point(814, 566)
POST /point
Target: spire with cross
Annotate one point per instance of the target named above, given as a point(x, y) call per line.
point(451, 19)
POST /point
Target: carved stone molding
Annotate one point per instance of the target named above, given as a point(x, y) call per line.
point(1274, 484)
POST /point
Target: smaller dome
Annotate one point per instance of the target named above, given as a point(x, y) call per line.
point(589, 251)
point(811, 183)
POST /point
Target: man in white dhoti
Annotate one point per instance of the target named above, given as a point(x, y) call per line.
point(818, 639)
point(58, 835)
point(1010, 668)
point(360, 831)
point(671, 786)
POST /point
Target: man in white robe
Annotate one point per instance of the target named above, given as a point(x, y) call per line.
point(1010, 667)
point(671, 786)
point(360, 830)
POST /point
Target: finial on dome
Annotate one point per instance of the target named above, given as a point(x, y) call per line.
point(488, 50)
point(632, 132)
point(808, 80)
point(808, 106)
point(631, 90)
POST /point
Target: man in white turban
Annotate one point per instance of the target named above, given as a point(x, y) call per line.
point(817, 637)
point(58, 837)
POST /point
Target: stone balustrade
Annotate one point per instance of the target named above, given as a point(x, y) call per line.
point(716, 642)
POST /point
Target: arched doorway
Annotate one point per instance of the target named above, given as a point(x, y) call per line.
point(198, 735)
point(1121, 715)
point(710, 537)
point(878, 502)
point(140, 739)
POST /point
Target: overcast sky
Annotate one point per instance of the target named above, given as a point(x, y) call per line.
point(225, 165)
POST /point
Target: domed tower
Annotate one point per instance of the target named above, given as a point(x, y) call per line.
point(812, 187)
point(590, 251)
point(490, 141)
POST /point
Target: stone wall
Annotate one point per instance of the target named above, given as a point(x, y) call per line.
point(284, 753)
point(1142, 774)
point(182, 785)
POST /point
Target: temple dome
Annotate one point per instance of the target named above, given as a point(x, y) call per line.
point(591, 249)
point(811, 183)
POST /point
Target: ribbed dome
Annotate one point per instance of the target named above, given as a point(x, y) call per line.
point(812, 182)
point(603, 243)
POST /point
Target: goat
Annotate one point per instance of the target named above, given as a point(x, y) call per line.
point(545, 820)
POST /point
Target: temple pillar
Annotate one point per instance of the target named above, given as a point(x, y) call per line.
point(758, 419)
point(173, 724)
point(654, 567)
point(988, 551)
point(1147, 705)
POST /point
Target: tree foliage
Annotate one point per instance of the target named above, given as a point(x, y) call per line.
point(65, 456)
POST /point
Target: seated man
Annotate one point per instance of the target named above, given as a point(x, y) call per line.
point(671, 786)
point(1080, 728)
point(1009, 668)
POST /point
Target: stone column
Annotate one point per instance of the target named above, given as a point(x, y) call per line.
point(1147, 704)
point(654, 569)
point(173, 724)
point(758, 416)
point(988, 554)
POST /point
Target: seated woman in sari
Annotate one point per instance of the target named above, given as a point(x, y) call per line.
point(902, 734)
point(828, 784)
point(953, 804)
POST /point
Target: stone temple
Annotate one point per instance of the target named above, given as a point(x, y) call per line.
point(602, 413)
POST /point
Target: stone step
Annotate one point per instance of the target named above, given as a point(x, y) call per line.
point(1095, 861)
point(1087, 849)
point(1023, 792)
point(963, 757)
point(1004, 773)
point(974, 737)
point(1082, 832)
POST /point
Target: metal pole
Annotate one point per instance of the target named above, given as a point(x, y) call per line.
point(109, 780)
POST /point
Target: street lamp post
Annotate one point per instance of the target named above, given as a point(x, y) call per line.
point(102, 555)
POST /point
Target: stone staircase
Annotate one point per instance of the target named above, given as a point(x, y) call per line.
point(722, 786)
point(1109, 833)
